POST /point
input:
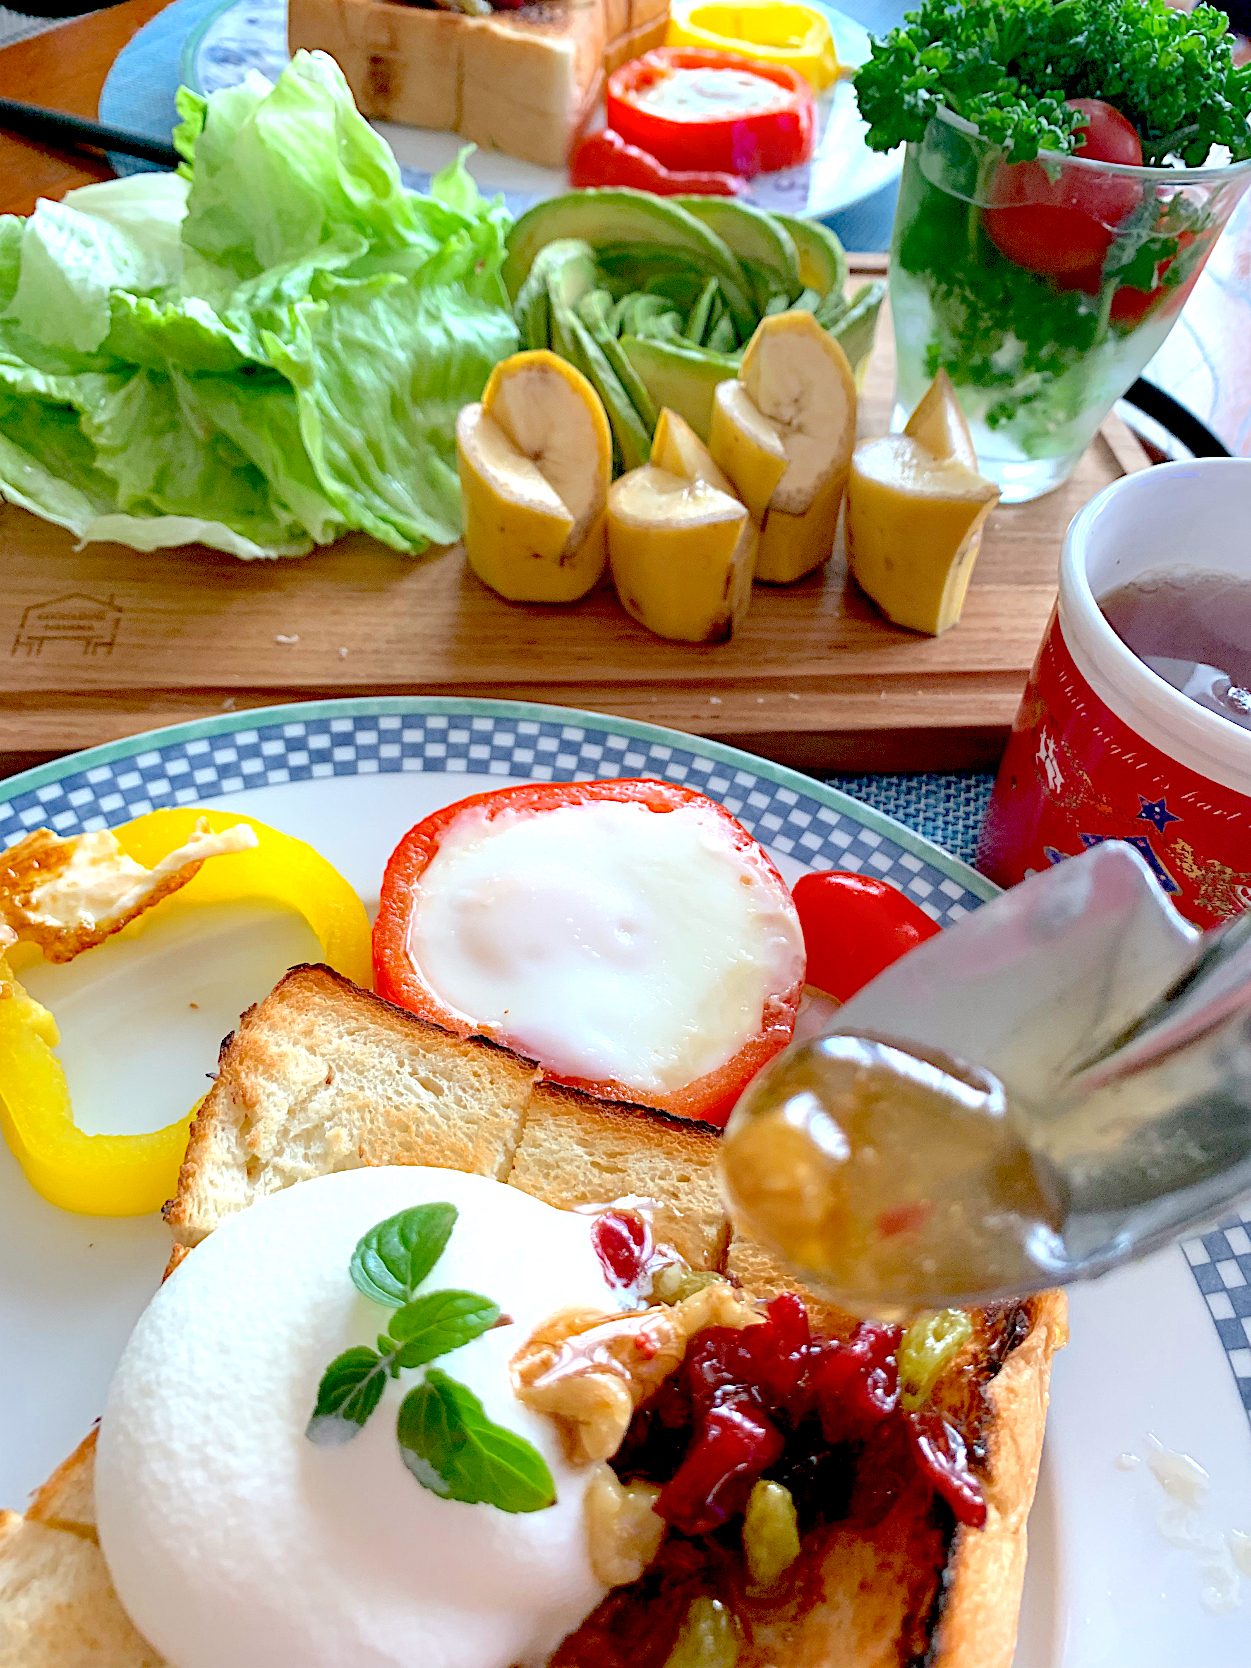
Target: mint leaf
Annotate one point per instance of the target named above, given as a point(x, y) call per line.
point(430, 1326)
point(454, 1450)
point(394, 1257)
point(350, 1389)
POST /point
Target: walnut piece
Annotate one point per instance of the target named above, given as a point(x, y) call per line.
point(623, 1531)
point(589, 1371)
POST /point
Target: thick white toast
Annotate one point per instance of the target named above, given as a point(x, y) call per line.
point(522, 81)
point(322, 1076)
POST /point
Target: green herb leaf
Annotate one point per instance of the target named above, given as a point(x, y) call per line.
point(454, 1450)
point(432, 1325)
point(350, 1389)
point(1008, 66)
point(395, 1256)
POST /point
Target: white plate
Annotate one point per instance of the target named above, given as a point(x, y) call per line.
point(1103, 1590)
point(240, 35)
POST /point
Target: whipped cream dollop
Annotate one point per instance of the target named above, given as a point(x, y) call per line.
point(236, 1542)
point(608, 941)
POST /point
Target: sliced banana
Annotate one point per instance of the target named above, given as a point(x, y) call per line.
point(677, 448)
point(681, 545)
point(535, 459)
point(797, 376)
point(554, 417)
point(748, 445)
point(915, 513)
point(940, 426)
point(784, 435)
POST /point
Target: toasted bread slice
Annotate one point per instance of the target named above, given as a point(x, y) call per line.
point(58, 1607)
point(640, 25)
point(321, 1076)
point(575, 1150)
point(521, 81)
point(531, 78)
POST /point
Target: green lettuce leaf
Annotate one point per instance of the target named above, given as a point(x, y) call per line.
point(261, 351)
point(377, 421)
point(48, 466)
point(10, 257)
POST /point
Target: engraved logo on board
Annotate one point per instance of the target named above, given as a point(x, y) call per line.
point(90, 622)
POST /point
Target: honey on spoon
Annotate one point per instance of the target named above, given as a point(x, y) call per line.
point(1109, 1111)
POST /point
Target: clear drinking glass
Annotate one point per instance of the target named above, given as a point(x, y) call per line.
point(1042, 288)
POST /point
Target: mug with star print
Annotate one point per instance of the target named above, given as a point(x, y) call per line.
point(1135, 724)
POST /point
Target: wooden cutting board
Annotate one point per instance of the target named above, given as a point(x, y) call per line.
point(106, 642)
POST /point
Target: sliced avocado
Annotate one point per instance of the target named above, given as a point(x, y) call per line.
point(634, 224)
point(595, 311)
point(573, 341)
point(807, 301)
point(856, 329)
point(721, 336)
point(762, 243)
point(822, 262)
point(639, 314)
point(532, 308)
point(830, 308)
point(533, 315)
point(682, 378)
point(570, 268)
point(701, 316)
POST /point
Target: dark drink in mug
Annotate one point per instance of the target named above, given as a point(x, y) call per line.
point(1133, 725)
point(1192, 627)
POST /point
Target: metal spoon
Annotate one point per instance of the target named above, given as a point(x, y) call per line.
point(1113, 1052)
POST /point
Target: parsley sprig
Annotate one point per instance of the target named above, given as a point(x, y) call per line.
point(446, 1439)
point(1007, 66)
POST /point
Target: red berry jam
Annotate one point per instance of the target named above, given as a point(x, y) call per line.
point(623, 1244)
point(819, 1415)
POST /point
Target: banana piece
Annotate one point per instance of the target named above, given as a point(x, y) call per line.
point(940, 426)
point(916, 507)
point(535, 459)
point(747, 445)
point(785, 440)
point(681, 545)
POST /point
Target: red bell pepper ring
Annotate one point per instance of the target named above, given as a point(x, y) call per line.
point(710, 1098)
point(854, 926)
point(604, 158)
point(761, 135)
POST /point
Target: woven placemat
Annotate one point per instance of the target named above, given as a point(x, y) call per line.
point(946, 808)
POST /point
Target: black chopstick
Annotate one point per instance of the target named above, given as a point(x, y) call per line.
point(55, 127)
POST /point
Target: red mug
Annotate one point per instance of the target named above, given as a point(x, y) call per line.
point(1104, 749)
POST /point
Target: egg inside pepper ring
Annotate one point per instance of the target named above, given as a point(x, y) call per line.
point(712, 111)
point(628, 935)
point(130, 1175)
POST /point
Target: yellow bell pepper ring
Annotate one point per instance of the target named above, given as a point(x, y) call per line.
point(131, 1175)
point(771, 31)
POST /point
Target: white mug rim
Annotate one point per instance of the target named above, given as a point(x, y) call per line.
point(1161, 715)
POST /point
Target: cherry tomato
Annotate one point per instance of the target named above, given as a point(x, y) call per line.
point(710, 1098)
point(854, 926)
point(1063, 227)
point(604, 158)
point(1131, 305)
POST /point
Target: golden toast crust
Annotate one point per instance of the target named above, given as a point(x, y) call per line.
point(523, 82)
point(322, 1076)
